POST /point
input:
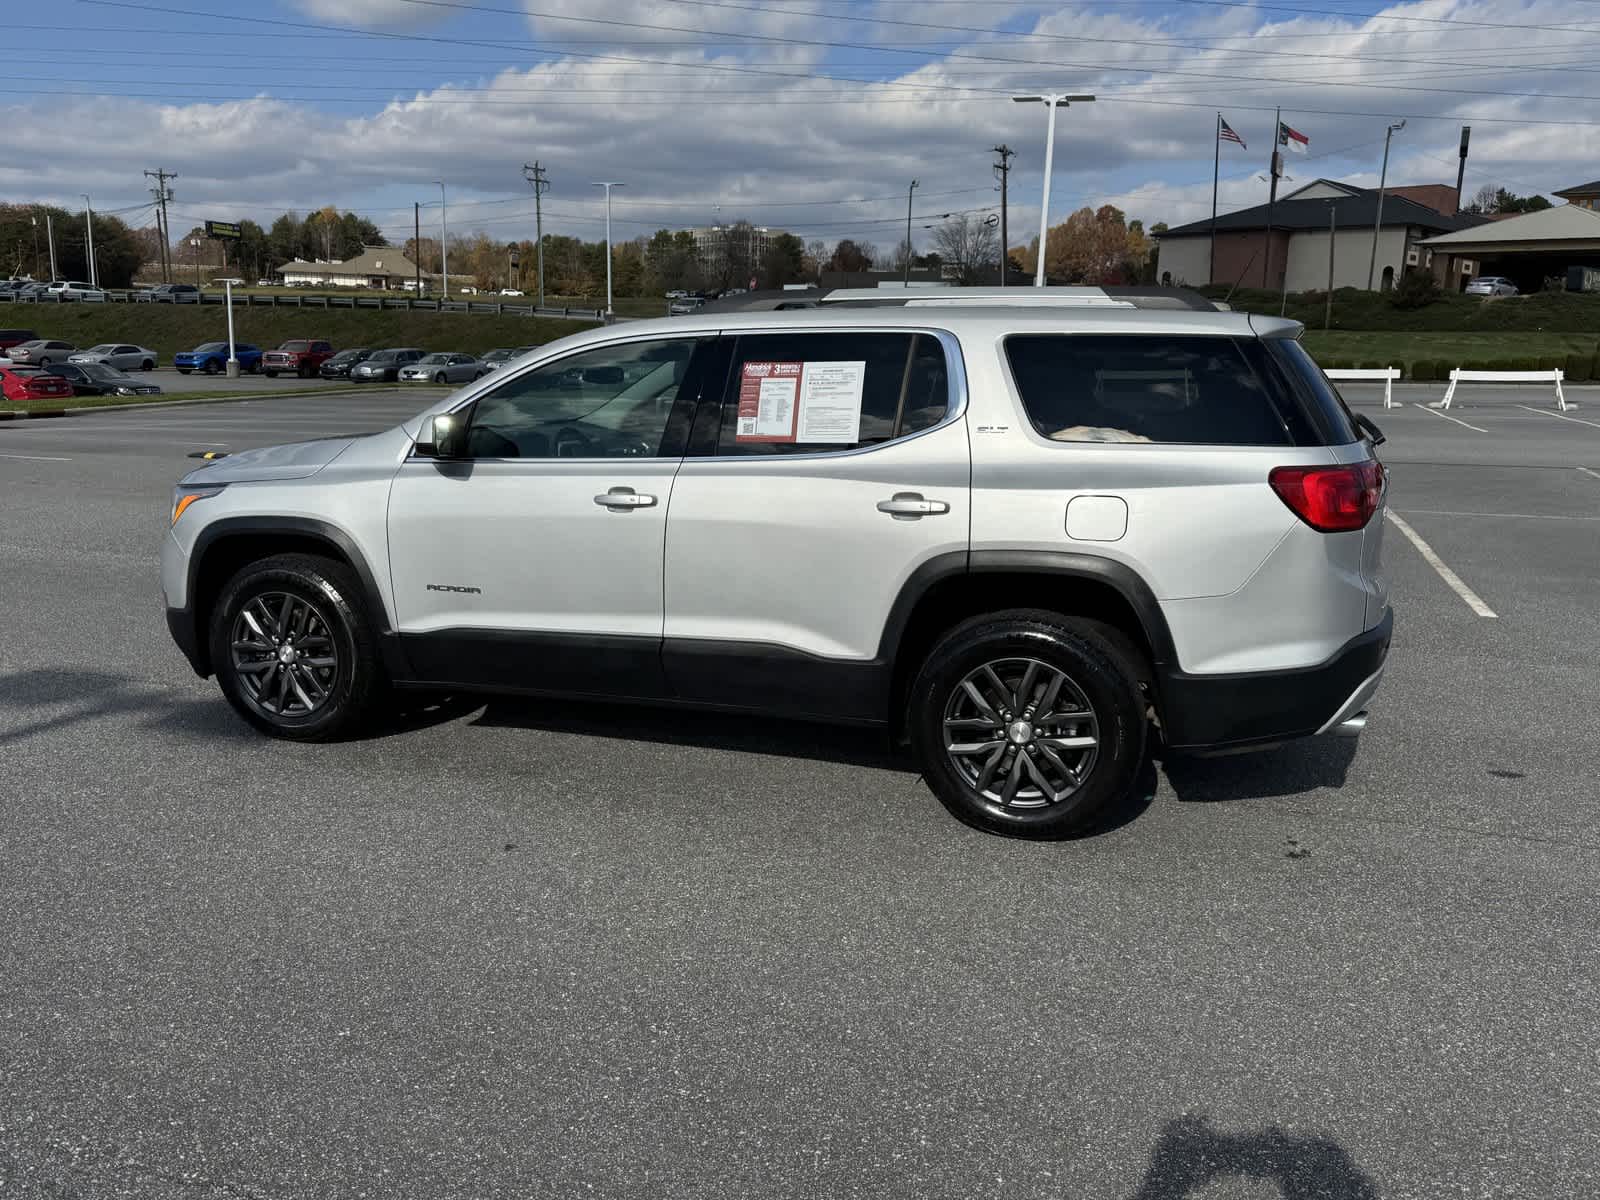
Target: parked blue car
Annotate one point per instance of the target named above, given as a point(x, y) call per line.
point(212, 358)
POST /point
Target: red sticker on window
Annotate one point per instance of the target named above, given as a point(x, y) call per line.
point(769, 395)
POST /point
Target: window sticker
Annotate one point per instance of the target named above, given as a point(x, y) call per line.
point(830, 402)
point(768, 401)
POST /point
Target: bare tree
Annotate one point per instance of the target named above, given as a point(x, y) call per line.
point(1484, 200)
point(970, 246)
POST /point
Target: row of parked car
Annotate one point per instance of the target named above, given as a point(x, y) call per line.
point(102, 369)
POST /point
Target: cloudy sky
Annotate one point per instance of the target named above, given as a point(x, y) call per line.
point(812, 115)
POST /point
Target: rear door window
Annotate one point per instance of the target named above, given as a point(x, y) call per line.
point(793, 393)
point(1317, 395)
point(1162, 388)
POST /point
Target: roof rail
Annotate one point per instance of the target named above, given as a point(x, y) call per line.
point(1022, 297)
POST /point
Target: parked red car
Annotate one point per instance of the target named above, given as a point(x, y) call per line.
point(303, 356)
point(20, 384)
point(15, 337)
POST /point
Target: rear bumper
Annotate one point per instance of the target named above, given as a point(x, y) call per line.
point(1258, 708)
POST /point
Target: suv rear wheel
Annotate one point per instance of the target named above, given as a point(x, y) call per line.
point(293, 648)
point(1028, 723)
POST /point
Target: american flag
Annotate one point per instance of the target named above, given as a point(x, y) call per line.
point(1225, 132)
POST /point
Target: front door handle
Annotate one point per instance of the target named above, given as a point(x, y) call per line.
point(912, 504)
point(620, 499)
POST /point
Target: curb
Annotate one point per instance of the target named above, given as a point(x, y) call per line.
point(32, 414)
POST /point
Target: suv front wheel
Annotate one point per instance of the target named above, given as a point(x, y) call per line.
point(293, 649)
point(1028, 723)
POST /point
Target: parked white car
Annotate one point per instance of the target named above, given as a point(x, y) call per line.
point(73, 290)
point(117, 354)
point(1491, 285)
point(511, 292)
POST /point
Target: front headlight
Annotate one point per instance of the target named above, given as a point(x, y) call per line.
point(127, 391)
point(183, 497)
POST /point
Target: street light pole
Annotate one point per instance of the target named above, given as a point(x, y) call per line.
point(194, 244)
point(1052, 101)
point(1377, 221)
point(444, 242)
point(88, 221)
point(909, 192)
point(608, 185)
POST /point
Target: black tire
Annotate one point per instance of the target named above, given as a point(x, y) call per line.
point(212, 366)
point(1104, 675)
point(270, 374)
point(183, 370)
point(355, 685)
point(439, 377)
point(44, 362)
point(148, 364)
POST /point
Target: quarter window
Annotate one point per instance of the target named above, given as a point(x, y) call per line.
point(817, 392)
point(1146, 388)
point(611, 402)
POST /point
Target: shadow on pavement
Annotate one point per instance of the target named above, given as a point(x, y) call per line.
point(712, 731)
point(1301, 766)
point(1191, 1155)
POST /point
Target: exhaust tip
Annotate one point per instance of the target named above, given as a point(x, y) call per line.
point(1351, 726)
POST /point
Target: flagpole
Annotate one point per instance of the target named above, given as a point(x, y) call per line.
point(1272, 196)
point(1216, 163)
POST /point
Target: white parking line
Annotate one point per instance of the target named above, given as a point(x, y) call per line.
point(1473, 600)
point(1559, 417)
point(1587, 471)
point(1450, 512)
point(36, 457)
point(1446, 416)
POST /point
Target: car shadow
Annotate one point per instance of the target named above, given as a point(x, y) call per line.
point(1306, 765)
point(1192, 1154)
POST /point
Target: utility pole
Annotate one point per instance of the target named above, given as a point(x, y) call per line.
point(50, 235)
point(444, 242)
point(1003, 169)
point(535, 176)
point(1377, 221)
point(1333, 232)
point(35, 220)
point(88, 226)
point(416, 243)
point(1461, 166)
point(162, 194)
point(910, 191)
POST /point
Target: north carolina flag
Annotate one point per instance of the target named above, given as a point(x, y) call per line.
point(1292, 139)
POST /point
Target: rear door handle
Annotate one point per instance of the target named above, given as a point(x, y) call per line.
point(912, 504)
point(619, 499)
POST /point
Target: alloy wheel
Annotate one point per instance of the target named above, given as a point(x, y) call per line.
point(284, 655)
point(1021, 733)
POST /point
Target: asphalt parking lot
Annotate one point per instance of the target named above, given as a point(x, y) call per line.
point(553, 950)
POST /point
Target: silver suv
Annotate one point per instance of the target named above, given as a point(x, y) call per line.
point(1027, 537)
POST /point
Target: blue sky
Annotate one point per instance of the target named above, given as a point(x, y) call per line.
point(812, 115)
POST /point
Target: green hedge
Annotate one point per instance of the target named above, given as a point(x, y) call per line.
point(1578, 367)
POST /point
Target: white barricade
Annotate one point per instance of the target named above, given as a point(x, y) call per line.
point(1386, 374)
point(1460, 376)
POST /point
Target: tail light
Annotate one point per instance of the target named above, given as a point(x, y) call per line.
point(1331, 499)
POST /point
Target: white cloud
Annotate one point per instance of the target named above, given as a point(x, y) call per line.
point(374, 14)
point(691, 135)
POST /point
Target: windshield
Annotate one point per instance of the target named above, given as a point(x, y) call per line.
point(210, 348)
point(295, 347)
point(434, 358)
point(106, 348)
point(101, 371)
point(383, 356)
point(346, 355)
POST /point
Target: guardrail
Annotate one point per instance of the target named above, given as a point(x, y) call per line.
point(1387, 375)
point(1460, 376)
point(328, 301)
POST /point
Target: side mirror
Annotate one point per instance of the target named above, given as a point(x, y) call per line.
point(444, 437)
